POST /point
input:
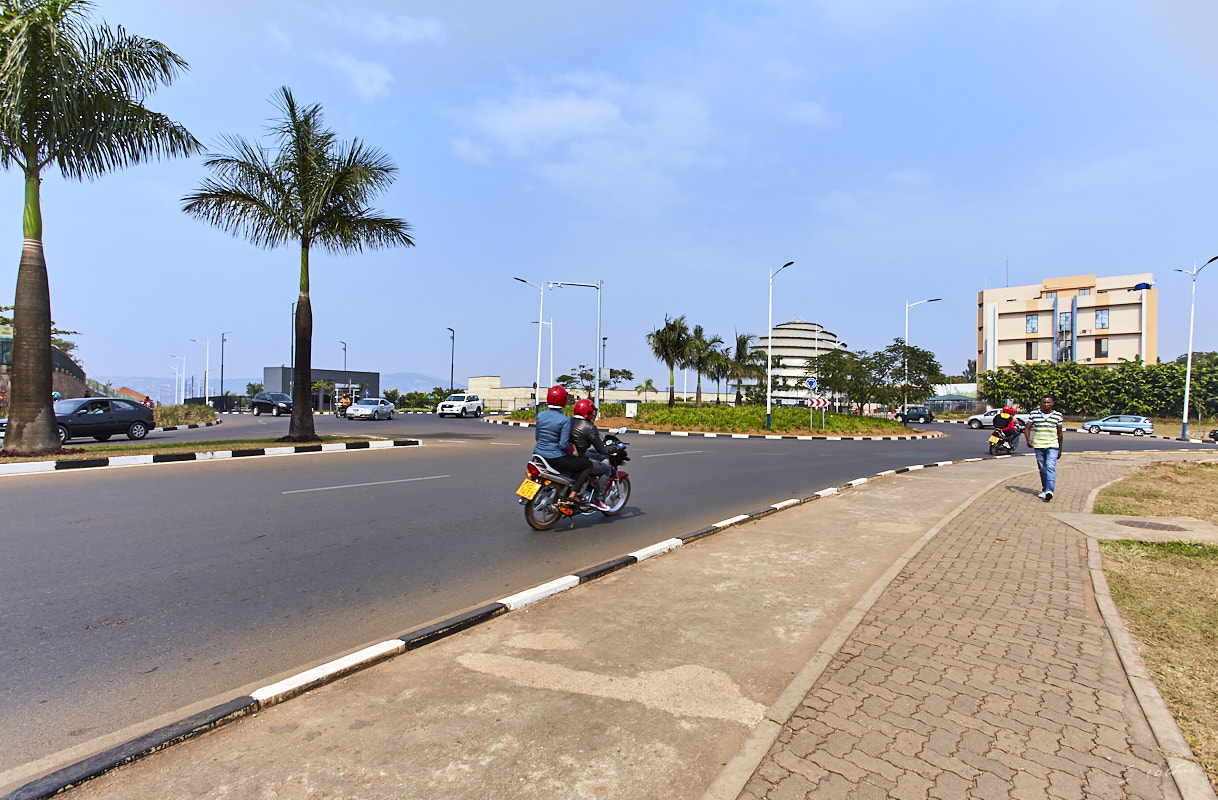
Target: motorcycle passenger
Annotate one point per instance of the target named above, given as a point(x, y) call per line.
point(588, 442)
point(1006, 423)
point(554, 439)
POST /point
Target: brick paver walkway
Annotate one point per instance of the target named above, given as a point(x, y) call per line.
point(1035, 705)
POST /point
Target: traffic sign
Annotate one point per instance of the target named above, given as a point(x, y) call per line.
point(811, 383)
point(818, 402)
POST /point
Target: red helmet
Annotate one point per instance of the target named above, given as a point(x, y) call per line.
point(1008, 410)
point(557, 396)
point(585, 409)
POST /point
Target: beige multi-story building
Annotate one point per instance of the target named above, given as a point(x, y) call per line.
point(797, 342)
point(1082, 318)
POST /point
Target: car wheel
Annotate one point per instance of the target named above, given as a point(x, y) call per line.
point(901, 418)
point(275, 411)
point(478, 412)
point(922, 419)
point(975, 424)
point(1139, 432)
point(138, 430)
point(1094, 429)
point(390, 415)
point(101, 437)
point(63, 434)
point(462, 413)
point(257, 411)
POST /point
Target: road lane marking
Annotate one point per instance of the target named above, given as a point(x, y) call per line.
point(506, 444)
point(681, 453)
point(358, 485)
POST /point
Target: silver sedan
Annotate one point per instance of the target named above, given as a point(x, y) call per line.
point(371, 408)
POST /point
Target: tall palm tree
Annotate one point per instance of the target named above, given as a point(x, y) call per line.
point(747, 364)
point(669, 345)
point(71, 97)
point(311, 189)
point(645, 387)
point(718, 368)
point(698, 356)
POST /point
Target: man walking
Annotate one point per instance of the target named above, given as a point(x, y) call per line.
point(1044, 435)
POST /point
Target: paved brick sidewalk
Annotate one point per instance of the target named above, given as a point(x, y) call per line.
point(1035, 705)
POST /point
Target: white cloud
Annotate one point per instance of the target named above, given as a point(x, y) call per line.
point(369, 80)
point(807, 112)
point(380, 28)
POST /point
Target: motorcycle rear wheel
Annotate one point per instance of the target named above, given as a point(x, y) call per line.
point(616, 497)
point(995, 449)
point(542, 511)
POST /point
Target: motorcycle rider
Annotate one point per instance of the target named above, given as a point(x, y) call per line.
point(553, 437)
point(588, 443)
point(1006, 423)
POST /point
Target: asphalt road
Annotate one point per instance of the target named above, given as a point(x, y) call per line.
point(131, 593)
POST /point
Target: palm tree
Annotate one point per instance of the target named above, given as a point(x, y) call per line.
point(699, 352)
point(312, 189)
point(747, 363)
point(669, 345)
point(719, 367)
point(71, 97)
point(645, 387)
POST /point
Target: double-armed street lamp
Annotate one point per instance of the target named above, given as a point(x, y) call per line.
point(905, 349)
point(596, 351)
point(549, 324)
point(452, 363)
point(1188, 370)
point(175, 388)
point(769, 355)
point(540, 321)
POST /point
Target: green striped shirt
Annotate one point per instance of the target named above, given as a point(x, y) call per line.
point(1044, 428)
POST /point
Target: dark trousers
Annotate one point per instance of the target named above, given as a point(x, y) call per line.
point(578, 466)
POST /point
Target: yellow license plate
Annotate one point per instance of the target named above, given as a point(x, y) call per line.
point(993, 438)
point(528, 490)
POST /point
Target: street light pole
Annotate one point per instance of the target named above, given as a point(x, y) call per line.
point(769, 355)
point(540, 316)
point(206, 366)
point(223, 337)
point(346, 377)
point(550, 325)
point(1192, 309)
point(183, 400)
point(596, 354)
point(452, 359)
point(604, 344)
point(905, 349)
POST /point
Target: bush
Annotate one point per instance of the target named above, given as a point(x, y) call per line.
point(192, 414)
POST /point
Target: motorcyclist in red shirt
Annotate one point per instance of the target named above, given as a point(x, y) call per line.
point(1006, 423)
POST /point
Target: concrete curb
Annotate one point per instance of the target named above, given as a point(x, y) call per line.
point(293, 686)
point(704, 435)
point(31, 467)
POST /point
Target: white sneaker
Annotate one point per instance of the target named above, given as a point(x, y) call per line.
point(1047, 496)
point(599, 505)
point(1041, 495)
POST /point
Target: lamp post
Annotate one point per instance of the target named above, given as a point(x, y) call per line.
point(1188, 370)
point(549, 324)
point(596, 355)
point(604, 344)
point(183, 400)
point(175, 384)
point(206, 366)
point(769, 355)
point(540, 316)
point(223, 337)
point(904, 387)
point(346, 377)
point(453, 358)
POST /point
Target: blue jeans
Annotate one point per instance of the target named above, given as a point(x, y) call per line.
point(1046, 462)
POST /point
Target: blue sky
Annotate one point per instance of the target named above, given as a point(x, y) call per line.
point(677, 151)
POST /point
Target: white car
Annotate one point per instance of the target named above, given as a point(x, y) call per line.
point(371, 408)
point(986, 420)
point(460, 405)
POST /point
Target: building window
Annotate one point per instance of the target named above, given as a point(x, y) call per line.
point(1065, 329)
point(1101, 348)
point(1050, 295)
point(1033, 323)
point(1101, 318)
point(1084, 292)
point(1030, 351)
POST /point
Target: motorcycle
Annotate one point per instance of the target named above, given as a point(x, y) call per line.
point(1000, 445)
point(544, 490)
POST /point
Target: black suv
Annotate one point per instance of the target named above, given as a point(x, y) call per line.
point(916, 414)
point(273, 403)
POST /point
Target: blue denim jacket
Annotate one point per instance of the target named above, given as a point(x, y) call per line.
point(553, 433)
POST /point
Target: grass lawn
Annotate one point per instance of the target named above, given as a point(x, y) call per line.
point(1167, 593)
point(746, 419)
point(138, 449)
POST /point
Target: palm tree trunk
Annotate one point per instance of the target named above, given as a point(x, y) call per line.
point(672, 388)
point(302, 408)
point(31, 421)
point(698, 395)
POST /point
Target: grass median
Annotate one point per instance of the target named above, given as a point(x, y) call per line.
point(86, 452)
point(1167, 593)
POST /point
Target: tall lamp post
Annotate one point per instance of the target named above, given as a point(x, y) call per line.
point(452, 363)
point(604, 344)
point(904, 387)
point(540, 317)
point(183, 400)
point(206, 366)
point(346, 377)
point(549, 324)
point(223, 337)
point(769, 354)
point(596, 353)
point(1188, 370)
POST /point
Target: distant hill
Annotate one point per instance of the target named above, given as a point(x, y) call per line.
point(410, 382)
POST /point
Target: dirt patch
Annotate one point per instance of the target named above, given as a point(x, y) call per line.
point(1165, 489)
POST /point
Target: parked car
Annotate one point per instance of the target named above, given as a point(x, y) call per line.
point(273, 403)
point(916, 414)
point(1121, 423)
point(1214, 435)
point(99, 417)
point(986, 420)
point(460, 405)
point(371, 408)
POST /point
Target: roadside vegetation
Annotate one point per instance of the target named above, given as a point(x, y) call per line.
point(729, 419)
point(187, 414)
point(1167, 593)
point(86, 452)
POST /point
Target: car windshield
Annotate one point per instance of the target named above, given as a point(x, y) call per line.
point(456, 398)
point(367, 401)
point(68, 406)
point(279, 397)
